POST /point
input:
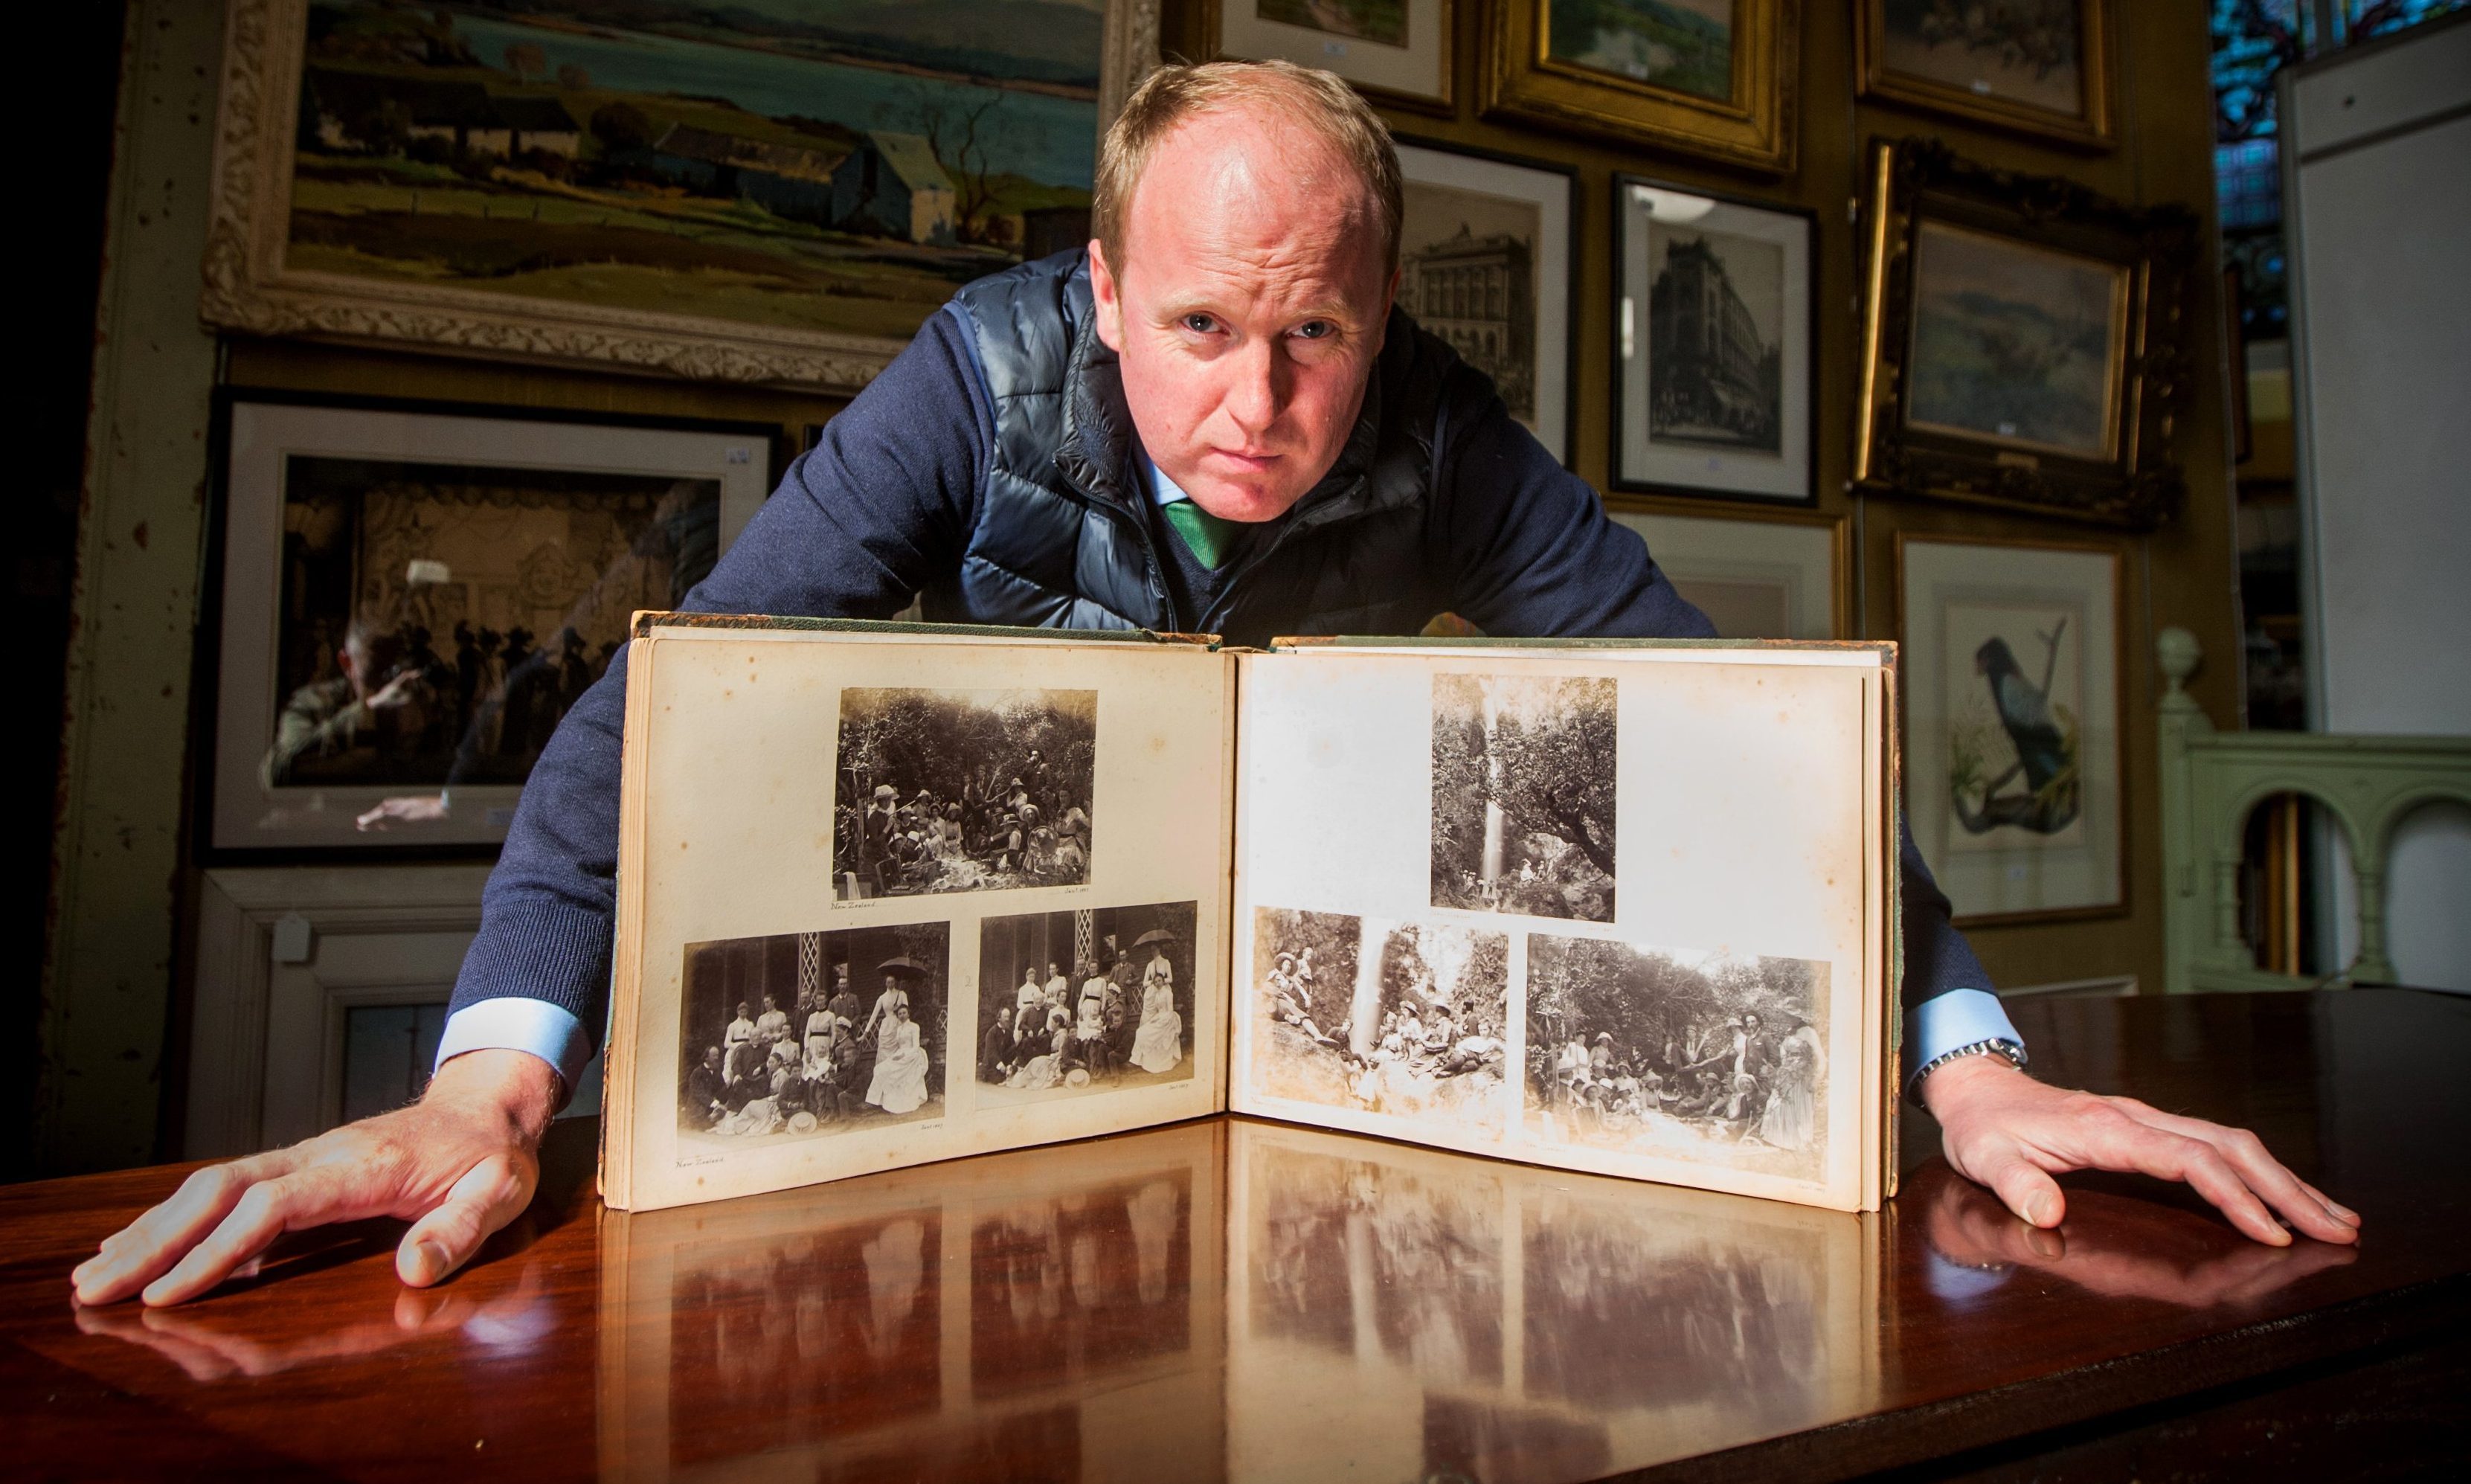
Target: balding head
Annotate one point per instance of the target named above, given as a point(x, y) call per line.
point(1245, 291)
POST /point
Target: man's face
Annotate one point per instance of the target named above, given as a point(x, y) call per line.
point(1248, 311)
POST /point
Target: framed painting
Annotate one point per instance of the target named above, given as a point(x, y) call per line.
point(2012, 681)
point(2024, 341)
point(779, 196)
point(1486, 261)
point(412, 595)
point(2041, 67)
point(1713, 373)
point(1714, 78)
point(1396, 52)
point(1779, 577)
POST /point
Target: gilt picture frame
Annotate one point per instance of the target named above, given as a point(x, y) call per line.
point(600, 194)
point(2042, 70)
point(2013, 659)
point(1714, 320)
point(2024, 341)
point(479, 566)
point(1399, 53)
point(1712, 78)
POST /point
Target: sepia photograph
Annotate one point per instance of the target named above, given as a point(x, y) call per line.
point(1523, 794)
point(1715, 339)
point(1677, 1054)
point(1409, 1020)
point(807, 1033)
point(1094, 1279)
point(1085, 1002)
point(962, 790)
point(2017, 343)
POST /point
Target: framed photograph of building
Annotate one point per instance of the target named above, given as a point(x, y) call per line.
point(2024, 341)
point(1768, 577)
point(2013, 698)
point(2041, 67)
point(1486, 263)
point(413, 595)
point(1395, 51)
point(1714, 78)
point(780, 197)
point(1713, 372)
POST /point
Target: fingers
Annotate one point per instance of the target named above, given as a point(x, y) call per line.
point(490, 1194)
point(264, 1212)
point(2130, 1143)
point(2302, 1204)
point(144, 1250)
point(2024, 1189)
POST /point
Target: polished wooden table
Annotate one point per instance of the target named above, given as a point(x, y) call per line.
point(1237, 1299)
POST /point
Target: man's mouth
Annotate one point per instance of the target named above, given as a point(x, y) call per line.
point(1250, 462)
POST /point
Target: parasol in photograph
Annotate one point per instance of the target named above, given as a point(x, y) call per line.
point(1154, 935)
point(907, 967)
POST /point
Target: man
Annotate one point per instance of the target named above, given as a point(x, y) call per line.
point(1212, 420)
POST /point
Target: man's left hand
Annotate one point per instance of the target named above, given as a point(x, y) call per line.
point(2003, 1129)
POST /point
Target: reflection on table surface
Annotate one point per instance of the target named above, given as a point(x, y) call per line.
point(1219, 1299)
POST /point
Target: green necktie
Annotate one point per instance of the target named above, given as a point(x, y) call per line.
point(1205, 536)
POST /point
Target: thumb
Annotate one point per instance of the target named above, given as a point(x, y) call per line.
point(490, 1194)
point(2030, 1193)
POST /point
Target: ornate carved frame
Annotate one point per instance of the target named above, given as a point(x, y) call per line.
point(1757, 127)
point(2091, 128)
point(1915, 180)
point(248, 287)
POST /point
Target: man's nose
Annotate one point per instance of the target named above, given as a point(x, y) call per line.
point(1258, 390)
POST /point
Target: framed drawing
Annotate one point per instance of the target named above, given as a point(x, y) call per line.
point(780, 197)
point(2013, 685)
point(2038, 67)
point(1779, 577)
point(1714, 78)
point(1393, 51)
point(2024, 341)
point(413, 595)
point(1713, 372)
point(1486, 260)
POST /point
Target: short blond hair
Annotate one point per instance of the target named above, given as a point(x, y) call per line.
point(1178, 92)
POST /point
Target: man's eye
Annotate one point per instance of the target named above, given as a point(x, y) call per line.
point(1200, 324)
point(1317, 329)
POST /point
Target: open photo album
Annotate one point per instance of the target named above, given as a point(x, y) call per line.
point(892, 893)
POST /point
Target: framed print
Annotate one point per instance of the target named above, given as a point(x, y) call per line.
point(2038, 67)
point(2012, 683)
point(413, 595)
point(1714, 78)
point(2023, 341)
point(1485, 260)
point(1713, 374)
point(1393, 51)
point(779, 197)
point(1774, 577)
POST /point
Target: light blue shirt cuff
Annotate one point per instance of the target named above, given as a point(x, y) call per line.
point(514, 1024)
point(1938, 1026)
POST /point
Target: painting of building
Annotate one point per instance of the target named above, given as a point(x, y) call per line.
point(1479, 293)
point(1714, 371)
point(891, 184)
point(785, 179)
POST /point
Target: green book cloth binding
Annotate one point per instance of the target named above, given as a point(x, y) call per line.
point(1205, 536)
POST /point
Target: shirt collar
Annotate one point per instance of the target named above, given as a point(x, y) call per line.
point(1163, 489)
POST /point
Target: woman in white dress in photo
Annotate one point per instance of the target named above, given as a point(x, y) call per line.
point(1158, 1045)
point(900, 1081)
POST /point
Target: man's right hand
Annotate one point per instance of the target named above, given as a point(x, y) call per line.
point(457, 1164)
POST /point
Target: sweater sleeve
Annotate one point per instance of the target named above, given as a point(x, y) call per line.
point(1534, 554)
point(880, 507)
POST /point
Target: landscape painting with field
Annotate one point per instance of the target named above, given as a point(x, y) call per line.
point(2016, 343)
point(825, 165)
point(1685, 45)
point(1372, 20)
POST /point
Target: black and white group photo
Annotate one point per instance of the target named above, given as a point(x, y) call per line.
point(1093, 1277)
point(1085, 1000)
point(962, 790)
point(1523, 794)
point(1677, 1054)
point(813, 1032)
point(1405, 1019)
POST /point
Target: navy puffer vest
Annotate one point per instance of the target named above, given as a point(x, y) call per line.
point(1061, 540)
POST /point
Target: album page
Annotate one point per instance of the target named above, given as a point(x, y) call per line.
point(889, 893)
point(1615, 908)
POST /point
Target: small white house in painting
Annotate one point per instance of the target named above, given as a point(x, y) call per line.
point(892, 186)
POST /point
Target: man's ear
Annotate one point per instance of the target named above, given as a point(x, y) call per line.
point(1104, 294)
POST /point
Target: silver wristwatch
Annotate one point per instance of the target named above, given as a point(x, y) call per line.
point(1991, 1045)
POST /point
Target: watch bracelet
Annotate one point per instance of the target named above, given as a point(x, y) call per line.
point(1989, 1046)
